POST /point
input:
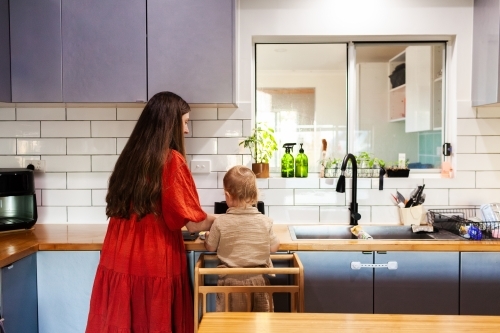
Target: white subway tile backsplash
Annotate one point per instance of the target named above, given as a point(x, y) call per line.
point(209, 196)
point(334, 215)
point(247, 128)
point(243, 111)
point(475, 197)
point(273, 197)
point(488, 179)
point(230, 146)
point(91, 113)
point(87, 215)
point(52, 215)
point(318, 197)
point(462, 179)
point(67, 163)
point(41, 146)
point(50, 180)
point(466, 144)
point(65, 129)
point(475, 162)
point(43, 113)
point(88, 180)
point(66, 198)
point(312, 183)
point(201, 145)
point(99, 197)
point(488, 144)
point(19, 129)
point(120, 144)
point(219, 162)
point(128, 113)
point(478, 126)
point(396, 183)
point(112, 129)
point(104, 162)
point(328, 183)
point(91, 146)
point(384, 215)
point(7, 161)
point(203, 114)
point(217, 128)
point(373, 197)
point(7, 146)
point(7, 114)
point(437, 197)
point(206, 180)
point(294, 214)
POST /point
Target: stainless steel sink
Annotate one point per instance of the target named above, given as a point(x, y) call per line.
point(386, 232)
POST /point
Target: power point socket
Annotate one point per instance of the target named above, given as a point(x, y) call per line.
point(200, 167)
point(39, 165)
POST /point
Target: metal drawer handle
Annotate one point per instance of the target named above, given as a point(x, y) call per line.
point(389, 265)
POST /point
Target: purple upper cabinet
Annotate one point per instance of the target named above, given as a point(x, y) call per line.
point(191, 49)
point(104, 50)
point(5, 90)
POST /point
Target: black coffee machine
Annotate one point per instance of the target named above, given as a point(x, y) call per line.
point(221, 207)
point(18, 208)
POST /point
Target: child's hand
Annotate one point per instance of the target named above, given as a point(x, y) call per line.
point(204, 234)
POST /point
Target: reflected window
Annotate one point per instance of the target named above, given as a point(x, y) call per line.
point(397, 107)
point(301, 92)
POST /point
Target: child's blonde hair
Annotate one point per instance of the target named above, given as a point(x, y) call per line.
point(240, 182)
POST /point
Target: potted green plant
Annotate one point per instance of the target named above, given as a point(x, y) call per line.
point(262, 145)
point(369, 165)
point(395, 171)
point(332, 167)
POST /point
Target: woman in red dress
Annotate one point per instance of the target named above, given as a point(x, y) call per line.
point(142, 282)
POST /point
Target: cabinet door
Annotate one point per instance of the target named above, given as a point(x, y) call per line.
point(104, 50)
point(418, 88)
point(331, 285)
point(479, 283)
point(5, 90)
point(423, 283)
point(191, 49)
point(36, 50)
point(65, 280)
point(19, 299)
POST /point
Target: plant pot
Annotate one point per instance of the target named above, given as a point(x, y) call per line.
point(397, 172)
point(261, 170)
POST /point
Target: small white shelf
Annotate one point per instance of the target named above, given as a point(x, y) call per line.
point(397, 119)
point(398, 88)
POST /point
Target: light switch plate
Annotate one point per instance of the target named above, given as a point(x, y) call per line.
point(200, 166)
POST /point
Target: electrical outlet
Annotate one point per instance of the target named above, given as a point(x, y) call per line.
point(38, 164)
point(200, 166)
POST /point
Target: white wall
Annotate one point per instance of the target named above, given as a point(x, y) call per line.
point(80, 145)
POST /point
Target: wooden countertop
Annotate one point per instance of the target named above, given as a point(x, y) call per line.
point(15, 245)
point(244, 322)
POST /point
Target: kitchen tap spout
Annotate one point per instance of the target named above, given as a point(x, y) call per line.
point(354, 216)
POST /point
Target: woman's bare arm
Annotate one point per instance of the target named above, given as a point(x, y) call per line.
point(201, 226)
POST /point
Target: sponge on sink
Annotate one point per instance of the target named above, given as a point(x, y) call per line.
point(360, 233)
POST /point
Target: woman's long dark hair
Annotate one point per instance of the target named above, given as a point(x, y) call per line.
point(135, 185)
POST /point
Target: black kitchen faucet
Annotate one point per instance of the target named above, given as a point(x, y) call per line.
point(354, 216)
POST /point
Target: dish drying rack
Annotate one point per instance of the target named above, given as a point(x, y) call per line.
point(462, 222)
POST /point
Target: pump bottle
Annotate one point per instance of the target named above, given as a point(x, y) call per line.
point(287, 161)
point(301, 164)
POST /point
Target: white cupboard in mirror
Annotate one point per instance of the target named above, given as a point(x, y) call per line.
point(398, 106)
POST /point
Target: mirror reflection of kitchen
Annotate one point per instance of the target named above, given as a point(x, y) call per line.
point(301, 91)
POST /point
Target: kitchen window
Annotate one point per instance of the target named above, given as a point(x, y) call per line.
point(382, 98)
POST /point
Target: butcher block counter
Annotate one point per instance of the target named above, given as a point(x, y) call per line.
point(15, 245)
point(242, 322)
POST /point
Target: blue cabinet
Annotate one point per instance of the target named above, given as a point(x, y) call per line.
point(191, 49)
point(65, 280)
point(19, 296)
point(381, 282)
point(5, 85)
point(480, 283)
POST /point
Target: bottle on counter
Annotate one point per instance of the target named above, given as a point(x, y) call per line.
point(301, 164)
point(287, 161)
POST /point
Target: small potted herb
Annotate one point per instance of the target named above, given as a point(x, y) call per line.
point(396, 171)
point(332, 167)
point(262, 145)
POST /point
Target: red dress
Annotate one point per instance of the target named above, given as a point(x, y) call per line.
point(142, 282)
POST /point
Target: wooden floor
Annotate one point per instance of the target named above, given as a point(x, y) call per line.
point(246, 322)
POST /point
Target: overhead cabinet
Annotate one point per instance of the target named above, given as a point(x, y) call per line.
point(5, 85)
point(485, 53)
point(191, 49)
point(419, 101)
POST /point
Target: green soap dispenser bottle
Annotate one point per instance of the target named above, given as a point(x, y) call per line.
point(287, 160)
point(301, 164)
